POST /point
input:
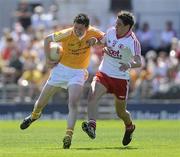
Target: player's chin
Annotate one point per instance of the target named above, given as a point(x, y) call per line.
point(79, 34)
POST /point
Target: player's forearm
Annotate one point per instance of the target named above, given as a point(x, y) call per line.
point(136, 63)
point(47, 42)
point(99, 42)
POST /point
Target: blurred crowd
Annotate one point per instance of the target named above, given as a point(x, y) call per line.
point(159, 78)
point(22, 60)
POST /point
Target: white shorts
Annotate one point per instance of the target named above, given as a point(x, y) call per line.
point(63, 76)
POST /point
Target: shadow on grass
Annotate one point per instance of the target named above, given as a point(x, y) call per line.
point(95, 148)
point(117, 148)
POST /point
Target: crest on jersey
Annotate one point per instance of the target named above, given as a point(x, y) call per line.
point(114, 43)
point(121, 46)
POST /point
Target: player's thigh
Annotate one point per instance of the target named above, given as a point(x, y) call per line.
point(47, 92)
point(74, 91)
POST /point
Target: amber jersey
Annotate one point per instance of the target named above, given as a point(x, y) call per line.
point(75, 51)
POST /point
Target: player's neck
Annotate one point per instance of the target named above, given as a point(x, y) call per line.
point(80, 37)
point(123, 34)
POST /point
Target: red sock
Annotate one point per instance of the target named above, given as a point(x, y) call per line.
point(69, 132)
point(129, 126)
point(92, 123)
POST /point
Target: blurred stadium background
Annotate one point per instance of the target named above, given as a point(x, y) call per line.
point(155, 88)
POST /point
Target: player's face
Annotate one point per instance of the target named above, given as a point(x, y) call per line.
point(121, 28)
point(79, 29)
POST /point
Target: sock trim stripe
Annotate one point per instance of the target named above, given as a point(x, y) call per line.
point(35, 115)
point(92, 120)
point(69, 130)
point(68, 135)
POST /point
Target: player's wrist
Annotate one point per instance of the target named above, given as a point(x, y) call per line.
point(95, 41)
point(129, 65)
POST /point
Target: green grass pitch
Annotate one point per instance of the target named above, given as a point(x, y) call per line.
point(152, 138)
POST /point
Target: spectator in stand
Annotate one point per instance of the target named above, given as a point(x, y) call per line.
point(12, 68)
point(160, 80)
point(166, 37)
point(21, 38)
point(151, 62)
point(143, 86)
point(145, 37)
point(38, 17)
point(31, 76)
point(23, 14)
point(6, 32)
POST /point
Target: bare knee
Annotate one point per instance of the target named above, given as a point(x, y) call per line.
point(92, 98)
point(73, 106)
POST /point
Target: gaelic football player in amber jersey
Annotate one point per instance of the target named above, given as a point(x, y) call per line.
point(70, 72)
point(122, 52)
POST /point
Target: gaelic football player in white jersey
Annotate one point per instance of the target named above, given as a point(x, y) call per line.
point(122, 52)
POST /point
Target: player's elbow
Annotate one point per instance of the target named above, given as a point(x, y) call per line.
point(138, 61)
point(139, 64)
point(47, 39)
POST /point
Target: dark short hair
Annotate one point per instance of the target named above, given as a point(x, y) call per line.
point(127, 18)
point(82, 19)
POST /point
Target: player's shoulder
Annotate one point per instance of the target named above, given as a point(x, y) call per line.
point(132, 36)
point(133, 39)
point(62, 34)
point(110, 30)
point(94, 29)
point(66, 31)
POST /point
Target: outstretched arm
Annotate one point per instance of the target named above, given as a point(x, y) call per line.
point(94, 41)
point(47, 41)
point(135, 63)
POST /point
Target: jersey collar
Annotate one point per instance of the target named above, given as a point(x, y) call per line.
point(125, 35)
point(80, 38)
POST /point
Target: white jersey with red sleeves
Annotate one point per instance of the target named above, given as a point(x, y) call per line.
point(112, 59)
